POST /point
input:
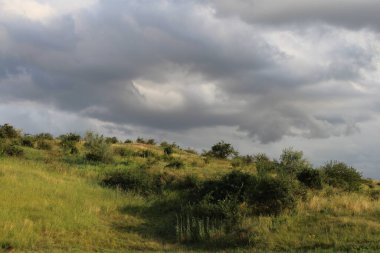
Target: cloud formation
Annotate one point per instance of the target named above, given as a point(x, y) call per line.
point(265, 71)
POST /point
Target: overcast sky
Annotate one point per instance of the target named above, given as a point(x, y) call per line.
point(261, 74)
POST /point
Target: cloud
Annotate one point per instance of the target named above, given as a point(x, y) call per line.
point(349, 14)
point(177, 68)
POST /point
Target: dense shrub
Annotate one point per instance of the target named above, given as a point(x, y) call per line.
point(44, 136)
point(292, 162)
point(272, 196)
point(168, 150)
point(151, 142)
point(128, 141)
point(146, 153)
point(112, 140)
point(263, 164)
point(27, 141)
point(175, 163)
point(138, 181)
point(9, 132)
point(140, 140)
point(121, 151)
point(13, 150)
point(68, 143)
point(310, 178)
point(233, 185)
point(98, 150)
point(338, 174)
point(222, 150)
point(43, 144)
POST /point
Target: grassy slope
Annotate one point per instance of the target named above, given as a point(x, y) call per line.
point(48, 205)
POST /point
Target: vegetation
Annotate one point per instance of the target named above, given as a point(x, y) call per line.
point(95, 195)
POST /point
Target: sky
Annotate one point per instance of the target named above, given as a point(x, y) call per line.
point(262, 75)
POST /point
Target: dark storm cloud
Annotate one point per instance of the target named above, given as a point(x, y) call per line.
point(351, 14)
point(176, 66)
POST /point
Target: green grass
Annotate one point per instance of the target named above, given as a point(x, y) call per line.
point(49, 203)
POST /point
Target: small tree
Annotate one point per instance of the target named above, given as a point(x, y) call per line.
point(292, 161)
point(222, 150)
point(97, 148)
point(310, 178)
point(68, 143)
point(112, 140)
point(9, 132)
point(338, 174)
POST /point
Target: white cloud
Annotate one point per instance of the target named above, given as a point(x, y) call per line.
point(29, 9)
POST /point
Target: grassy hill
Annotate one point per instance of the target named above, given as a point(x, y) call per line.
point(52, 201)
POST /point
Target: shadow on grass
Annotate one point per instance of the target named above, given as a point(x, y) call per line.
point(160, 225)
point(160, 221)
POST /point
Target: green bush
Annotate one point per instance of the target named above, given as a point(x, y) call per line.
point(112, 140)
point(138, 181)
point(374, 195)
point(222, 150)
point(68, 143)
point(340, 175)
point(11, 150)
point(151, 142)
point(292, 162)
point(27, 141)
point(168, 150)
point(123, 152)
point(44, 136)
point(272, 196)
point(310, 178)
point(98, 150)
point(175, 163)
point(9, 132)
point(146, 153)
point(43, 144)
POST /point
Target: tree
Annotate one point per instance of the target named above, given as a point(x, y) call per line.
point(292, 161)
point(9, 132)
point(98, 149)
point(340, 175)
point(222, 150)
point(68, 143)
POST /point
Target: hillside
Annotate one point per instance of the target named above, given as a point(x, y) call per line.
point(138, 196)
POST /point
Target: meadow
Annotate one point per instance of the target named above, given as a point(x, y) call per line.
point(97, 194)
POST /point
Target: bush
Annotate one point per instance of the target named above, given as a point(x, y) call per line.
point(340, 175)
point(145, 153)
point(44, 145)
point(121, 151)
point(263, 164)
point(44, 136)
point(98, 150)
point(133, 180)
point(68, 143)
point(222, 150)
point(234, 185)
point(175, 163)
point(374, 195)
point(151, 142)
point(168, 150)
point(310, 178)
point(9, 132)
point(272, 196)
point(27, 141)
point(128, 141)
point(12, 150)
point(112, 140)
point(292, 162)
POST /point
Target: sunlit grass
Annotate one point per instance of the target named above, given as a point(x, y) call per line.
point(53, 204)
